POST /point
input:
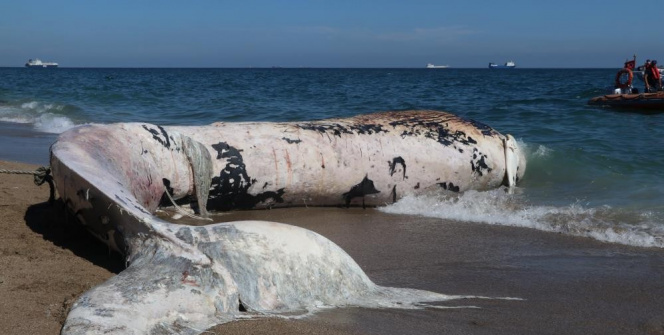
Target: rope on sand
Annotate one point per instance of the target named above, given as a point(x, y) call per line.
point(41, 175)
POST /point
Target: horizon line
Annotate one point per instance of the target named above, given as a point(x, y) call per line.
point(303, 67)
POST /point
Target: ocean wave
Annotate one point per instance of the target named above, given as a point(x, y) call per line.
point(497, 207)
point(51, 123)
point(45, 117)
point(536, 151)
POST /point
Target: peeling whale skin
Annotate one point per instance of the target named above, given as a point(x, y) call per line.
point(184, 279)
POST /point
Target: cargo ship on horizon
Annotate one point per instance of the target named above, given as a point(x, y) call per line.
point(508, 65)
point(38, 63)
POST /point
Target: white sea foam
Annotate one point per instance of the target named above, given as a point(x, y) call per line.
point(14, 115)
point(541, 151)
point(46, 117)
point(499, 208)
point(51, 123)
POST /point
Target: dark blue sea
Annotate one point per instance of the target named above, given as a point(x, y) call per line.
point(592, 171)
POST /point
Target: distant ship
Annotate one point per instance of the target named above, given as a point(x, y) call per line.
point(431, 66)
point(508, 65)
point(38, 63)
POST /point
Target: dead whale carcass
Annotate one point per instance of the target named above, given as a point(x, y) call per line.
point(113, 177)
point(370, 159)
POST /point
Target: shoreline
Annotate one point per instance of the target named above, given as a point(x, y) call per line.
point(22, 143)
point(569, 285)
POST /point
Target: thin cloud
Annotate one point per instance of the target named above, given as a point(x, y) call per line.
point(326, 30)
point(439, 34)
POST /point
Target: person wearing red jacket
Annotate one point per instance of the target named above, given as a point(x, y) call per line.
point(652, 77)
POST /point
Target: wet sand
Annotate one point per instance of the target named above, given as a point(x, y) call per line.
point(569, 285)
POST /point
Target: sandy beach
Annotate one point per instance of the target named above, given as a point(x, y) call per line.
point(568, 285)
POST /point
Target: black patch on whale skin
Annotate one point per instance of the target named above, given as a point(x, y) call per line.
point(445, 137)
point(230, 189)
point(486, 130)
point(405, 134)
point(167, 185)
point(291, 141)
point(160, 136)
point(365, 187)
point(165, 201)
point(394, 193)
point(337, 129)
point(440, 131)
point(334, 129)
point(233, 179)
point(478, 163)
point(395, 161)
point(449, 186)
point(369, 129)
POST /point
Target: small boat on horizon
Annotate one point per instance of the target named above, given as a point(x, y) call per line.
point(38, 63)
point(507, 65)
point(431, 66)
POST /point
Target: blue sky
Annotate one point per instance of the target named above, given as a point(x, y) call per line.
point(340, 33)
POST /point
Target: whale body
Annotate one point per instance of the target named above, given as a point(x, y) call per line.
point(185, 279)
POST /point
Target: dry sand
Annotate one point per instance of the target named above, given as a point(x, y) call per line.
point(569, 285)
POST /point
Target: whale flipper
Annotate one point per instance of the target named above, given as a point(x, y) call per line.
point(511, 160)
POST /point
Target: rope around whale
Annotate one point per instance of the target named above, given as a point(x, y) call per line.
point(41, 175)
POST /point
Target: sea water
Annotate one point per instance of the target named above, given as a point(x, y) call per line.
point(592, 171)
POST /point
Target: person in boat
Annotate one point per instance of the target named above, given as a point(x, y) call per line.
point(652, 77)
point(645, 68)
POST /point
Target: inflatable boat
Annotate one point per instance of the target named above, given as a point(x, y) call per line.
point(649, 102)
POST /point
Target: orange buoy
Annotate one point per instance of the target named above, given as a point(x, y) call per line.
point(619, 76)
